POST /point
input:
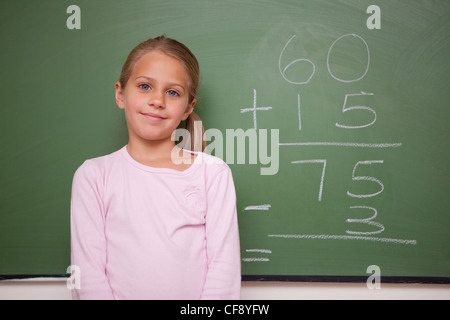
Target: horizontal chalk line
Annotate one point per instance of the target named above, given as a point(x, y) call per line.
point(342, 144)
point(259, 250)
point(255, 260)
point(256, 109)
point(334, 237)
point(264, 207)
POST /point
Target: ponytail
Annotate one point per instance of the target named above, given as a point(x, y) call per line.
point(194, 126)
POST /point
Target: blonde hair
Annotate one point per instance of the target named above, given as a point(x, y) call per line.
point(182, 53)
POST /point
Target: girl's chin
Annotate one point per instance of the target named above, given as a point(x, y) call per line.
point(152, 137)
point(152, 134)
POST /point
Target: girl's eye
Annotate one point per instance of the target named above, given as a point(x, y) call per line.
point(173, 93)
point(144, 87)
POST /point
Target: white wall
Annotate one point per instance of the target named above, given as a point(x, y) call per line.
point(49, 289)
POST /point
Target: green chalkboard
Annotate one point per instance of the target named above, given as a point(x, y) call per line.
point(344, 108)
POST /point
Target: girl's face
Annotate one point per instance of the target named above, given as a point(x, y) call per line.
point(156, 97)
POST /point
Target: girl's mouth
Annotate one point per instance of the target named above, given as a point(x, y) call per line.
point(153, 116)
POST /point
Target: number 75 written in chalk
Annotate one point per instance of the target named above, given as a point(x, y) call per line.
point(354, 177)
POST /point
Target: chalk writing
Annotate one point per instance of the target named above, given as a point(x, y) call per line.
point(347, 109)
point(322, 178)
point(330, 53)
point(254, 109)
point(302, 75)
point(338, 237)
point(368, 221)
point(299, 113)
point(342, 144)
point(257, 259)
point(365, 178)
point(264, 207)
point(306, 79)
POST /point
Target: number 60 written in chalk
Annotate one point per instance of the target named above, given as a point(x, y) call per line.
point(308, 77)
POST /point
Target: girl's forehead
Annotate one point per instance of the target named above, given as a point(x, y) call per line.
point(157, 62)
point(157, 57)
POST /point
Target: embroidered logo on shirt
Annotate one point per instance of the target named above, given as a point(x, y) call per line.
point(195, 199)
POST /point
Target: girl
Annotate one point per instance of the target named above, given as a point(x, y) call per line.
point(152, 221)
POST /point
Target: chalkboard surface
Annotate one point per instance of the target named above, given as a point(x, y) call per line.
point(351, 100)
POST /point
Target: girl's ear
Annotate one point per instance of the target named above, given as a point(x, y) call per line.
point(189, 109)
point(119, 96)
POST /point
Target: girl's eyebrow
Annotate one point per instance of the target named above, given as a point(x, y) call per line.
point(171, 84)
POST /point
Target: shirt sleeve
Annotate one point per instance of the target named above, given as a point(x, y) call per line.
point(88, 242)
point(223, 279)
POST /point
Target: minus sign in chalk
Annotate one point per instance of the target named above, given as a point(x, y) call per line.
point(264, 207)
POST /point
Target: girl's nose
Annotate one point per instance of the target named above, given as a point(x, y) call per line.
point(156, 99)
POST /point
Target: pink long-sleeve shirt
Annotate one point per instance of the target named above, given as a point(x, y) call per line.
point(149, 233)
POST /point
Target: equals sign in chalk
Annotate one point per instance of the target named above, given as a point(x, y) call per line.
point(264, 207)
point(265, 251)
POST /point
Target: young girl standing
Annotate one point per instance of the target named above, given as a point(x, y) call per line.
point(152, 221)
